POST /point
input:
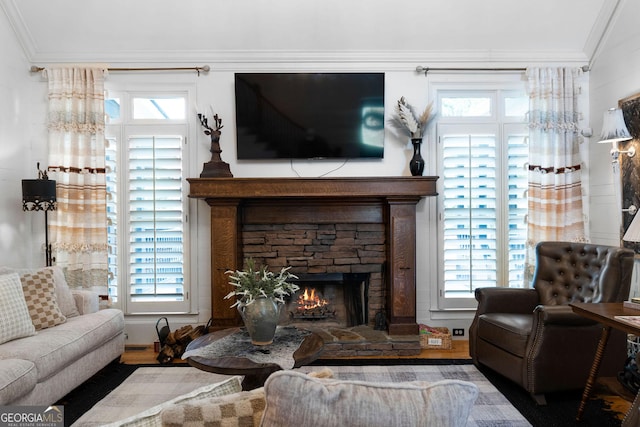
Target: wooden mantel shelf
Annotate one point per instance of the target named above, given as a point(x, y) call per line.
point(386, 200)
point(258, 188)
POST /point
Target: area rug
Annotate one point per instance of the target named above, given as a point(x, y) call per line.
point(149, 386)
point(143, 388)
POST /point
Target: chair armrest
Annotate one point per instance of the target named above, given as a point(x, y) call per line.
point(86, 301)
point(560, 315)
point(506, 300)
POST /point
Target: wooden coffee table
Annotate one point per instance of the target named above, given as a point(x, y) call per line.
point(255, 374)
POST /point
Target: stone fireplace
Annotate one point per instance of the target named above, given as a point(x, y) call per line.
point(342, 262)
point(319, 226)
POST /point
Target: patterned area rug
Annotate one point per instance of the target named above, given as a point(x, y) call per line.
point(149, 386)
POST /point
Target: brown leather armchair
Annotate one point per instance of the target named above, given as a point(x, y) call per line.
point(532, 336)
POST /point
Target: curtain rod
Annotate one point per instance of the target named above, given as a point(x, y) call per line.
point(425, 70)
point(204, 69)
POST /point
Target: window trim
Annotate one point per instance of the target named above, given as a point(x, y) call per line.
point(126, 92)
point(443, 83)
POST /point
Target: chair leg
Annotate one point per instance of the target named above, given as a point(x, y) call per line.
point(539, 399)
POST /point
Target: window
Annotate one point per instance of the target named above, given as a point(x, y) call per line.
point(482, 144)
point(147, 205)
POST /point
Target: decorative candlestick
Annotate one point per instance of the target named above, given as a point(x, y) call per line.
point(214, 168)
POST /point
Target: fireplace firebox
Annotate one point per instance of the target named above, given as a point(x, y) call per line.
point(333, 299)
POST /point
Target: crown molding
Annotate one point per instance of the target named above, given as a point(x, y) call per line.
point(26, 40)
point(388, 60)
point(601, 29)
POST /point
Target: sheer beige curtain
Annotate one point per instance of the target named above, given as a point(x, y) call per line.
point(77, 163)
point(555, 183)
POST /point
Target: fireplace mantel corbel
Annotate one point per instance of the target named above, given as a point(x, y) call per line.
point(388, 200)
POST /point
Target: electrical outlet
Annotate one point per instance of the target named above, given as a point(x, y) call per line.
point(458, 332)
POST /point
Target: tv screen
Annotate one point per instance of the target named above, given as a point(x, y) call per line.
point(309, 115)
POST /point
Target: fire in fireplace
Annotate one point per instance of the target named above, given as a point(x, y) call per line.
point(311, 305)
point(338, 299)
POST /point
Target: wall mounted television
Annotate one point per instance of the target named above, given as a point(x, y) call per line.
point(309, 115)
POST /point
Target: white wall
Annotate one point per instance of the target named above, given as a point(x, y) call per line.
point(215, 91)
point(615, 74)
point(22, 144)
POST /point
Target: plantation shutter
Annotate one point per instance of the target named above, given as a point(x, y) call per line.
point(156, 218)
point(484, 181)
point(470, 215)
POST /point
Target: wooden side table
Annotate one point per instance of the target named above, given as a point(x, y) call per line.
point(255, 373)
point(605, 314)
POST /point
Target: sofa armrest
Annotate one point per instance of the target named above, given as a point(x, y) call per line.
point(506, 300)
point(86, 301)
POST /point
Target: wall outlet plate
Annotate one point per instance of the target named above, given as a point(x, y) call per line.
point(458, 332)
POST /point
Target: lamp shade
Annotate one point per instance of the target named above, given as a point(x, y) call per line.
point(614, 128)
point(38, 195)
point(633, 232)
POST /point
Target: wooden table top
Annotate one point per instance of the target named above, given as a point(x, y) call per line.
point(605, 313)
point(309, 350)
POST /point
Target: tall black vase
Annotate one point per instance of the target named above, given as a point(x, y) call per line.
point(416, 164)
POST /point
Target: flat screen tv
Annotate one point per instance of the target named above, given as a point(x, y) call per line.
point(309, 115)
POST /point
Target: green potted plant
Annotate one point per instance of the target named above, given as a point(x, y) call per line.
point(260, 294)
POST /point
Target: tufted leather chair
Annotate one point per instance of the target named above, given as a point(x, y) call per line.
point(532, 336)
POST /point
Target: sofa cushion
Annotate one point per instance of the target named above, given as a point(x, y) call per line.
point(17, 378)
point(295, 399)
point(151, 417)
point(15, 321)
point(52, 349)
point(39, 293)
point(509, 331)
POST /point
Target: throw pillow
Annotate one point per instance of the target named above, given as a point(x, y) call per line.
point(242, 409)
point(295, 399)
point(15, 321)
point(64, 297)
point(39, 293)
point(151, 417)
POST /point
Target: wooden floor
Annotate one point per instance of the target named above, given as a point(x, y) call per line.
point(142, 354)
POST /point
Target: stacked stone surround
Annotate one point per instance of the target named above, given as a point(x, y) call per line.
point(322, 248)
point(333, 248)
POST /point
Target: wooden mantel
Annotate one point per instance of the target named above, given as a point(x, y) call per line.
point(388, 200)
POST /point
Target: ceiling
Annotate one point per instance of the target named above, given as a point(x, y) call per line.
point(170, 31)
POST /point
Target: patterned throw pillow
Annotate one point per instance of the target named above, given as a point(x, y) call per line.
point(242, 409)
point(39, 293)
point(15, 321)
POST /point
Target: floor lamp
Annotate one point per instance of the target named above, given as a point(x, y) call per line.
point(40, 195)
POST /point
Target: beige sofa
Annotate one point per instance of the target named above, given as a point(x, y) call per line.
point(69, 339)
